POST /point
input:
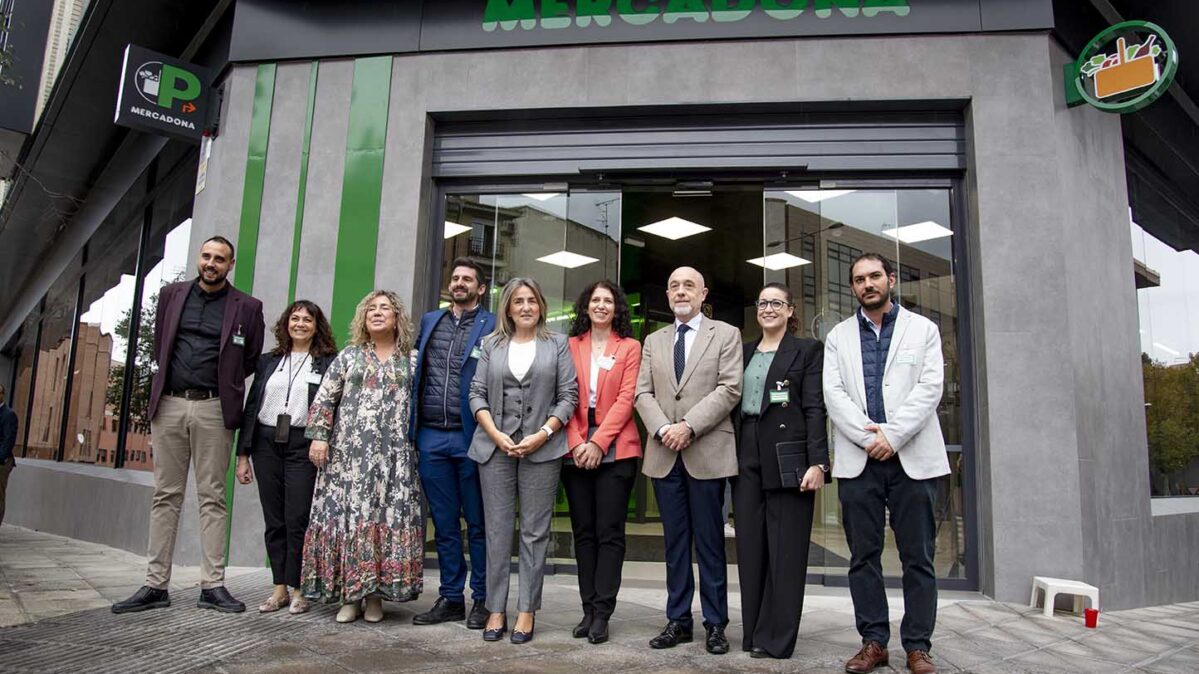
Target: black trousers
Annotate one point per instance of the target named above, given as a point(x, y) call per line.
point(883, 486)
point(774, 530)
point(286, 479)
point(599, 504)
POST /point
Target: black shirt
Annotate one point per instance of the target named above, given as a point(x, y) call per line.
point(198, 342)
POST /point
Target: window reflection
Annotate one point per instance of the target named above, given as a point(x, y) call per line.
point(828, 229)
point(54, 360)
point(1169, 332)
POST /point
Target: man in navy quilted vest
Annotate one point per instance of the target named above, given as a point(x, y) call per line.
point(883, 376)
point(442, 428)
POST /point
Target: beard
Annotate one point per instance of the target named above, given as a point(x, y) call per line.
point(220, 276)
point(875, 304)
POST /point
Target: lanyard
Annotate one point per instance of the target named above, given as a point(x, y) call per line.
point(292, 378)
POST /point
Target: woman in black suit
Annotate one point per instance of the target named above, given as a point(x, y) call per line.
point(782, 457)
point(272, 431)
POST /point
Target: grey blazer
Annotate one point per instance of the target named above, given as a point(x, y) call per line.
point(551, 389)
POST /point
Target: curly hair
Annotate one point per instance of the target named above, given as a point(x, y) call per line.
point(622, 321)
point(359, 335)
point(323, 343)
point(793, 321)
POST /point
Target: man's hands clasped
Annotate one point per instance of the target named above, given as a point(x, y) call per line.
point(677, 436)
point(880, 447)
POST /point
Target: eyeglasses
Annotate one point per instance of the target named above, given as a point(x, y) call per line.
point(776, 305)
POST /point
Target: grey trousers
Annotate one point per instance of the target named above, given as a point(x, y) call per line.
point(184, 432)
point(502, 480)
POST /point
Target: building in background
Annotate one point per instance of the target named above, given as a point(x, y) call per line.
point(64, 22)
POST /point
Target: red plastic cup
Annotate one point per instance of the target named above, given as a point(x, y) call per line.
point(1091, 616)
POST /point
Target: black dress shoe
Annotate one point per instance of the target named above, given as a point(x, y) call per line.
point(477, 619)
point(218, 598)
point(583, 628)
point(672, 635)
point(497, 633)
point(758, 652)
point(523, 637)
point(144, 599)
point(716, 643)
point(598, 633)
point(443, 611)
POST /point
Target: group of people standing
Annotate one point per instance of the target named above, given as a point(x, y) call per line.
point(483, 415)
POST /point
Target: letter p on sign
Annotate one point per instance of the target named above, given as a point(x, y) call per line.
point(177, 85)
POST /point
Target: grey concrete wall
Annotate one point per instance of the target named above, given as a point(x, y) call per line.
point(112, 507)
point(1060, 437)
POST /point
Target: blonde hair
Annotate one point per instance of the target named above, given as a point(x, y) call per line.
point(359, 335)
point(505, 327)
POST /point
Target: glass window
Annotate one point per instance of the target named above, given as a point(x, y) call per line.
point(812, 236)
point(169, 261)
point(53, 367)
point(1169, 329)
point(26, 352)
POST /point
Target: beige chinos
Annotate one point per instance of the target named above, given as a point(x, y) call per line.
point(186, 431)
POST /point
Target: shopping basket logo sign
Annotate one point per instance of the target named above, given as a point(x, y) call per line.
point(1125, 68)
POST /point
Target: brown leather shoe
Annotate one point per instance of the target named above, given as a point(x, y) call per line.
point(872, 655)
point(920, 662)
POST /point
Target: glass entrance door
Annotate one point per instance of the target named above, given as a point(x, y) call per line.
point(739, 237)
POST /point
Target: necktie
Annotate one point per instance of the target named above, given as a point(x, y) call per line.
point(680, 353)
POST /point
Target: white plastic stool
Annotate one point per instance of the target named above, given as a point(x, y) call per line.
point(1052, 587)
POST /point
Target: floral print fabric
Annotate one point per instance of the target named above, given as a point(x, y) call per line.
point(366, 532)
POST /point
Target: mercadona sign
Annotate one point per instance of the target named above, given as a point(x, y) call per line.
point(1123, 69)
point(162, 95)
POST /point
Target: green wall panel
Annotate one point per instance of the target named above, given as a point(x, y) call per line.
point(362, 190)
point(251, 203)
point(302, 193)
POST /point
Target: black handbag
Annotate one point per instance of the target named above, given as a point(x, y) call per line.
point(793, 462)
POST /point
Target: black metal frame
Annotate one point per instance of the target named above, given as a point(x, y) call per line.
point(963, 234)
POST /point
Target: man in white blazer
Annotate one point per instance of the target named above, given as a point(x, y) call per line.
point(883, 379)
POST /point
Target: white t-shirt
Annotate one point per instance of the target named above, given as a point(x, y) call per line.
point(594, 383)
point(520, 358)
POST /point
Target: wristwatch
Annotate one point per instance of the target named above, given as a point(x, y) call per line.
point(549, 432)
point(823, 466)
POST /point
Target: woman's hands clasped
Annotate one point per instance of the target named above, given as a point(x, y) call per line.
point(587, 455)
point(318, 453)
point(519, 450)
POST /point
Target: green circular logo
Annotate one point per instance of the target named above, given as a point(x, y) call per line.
point(1126, 67)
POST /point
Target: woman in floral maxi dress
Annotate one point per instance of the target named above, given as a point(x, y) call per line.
point(366, 534)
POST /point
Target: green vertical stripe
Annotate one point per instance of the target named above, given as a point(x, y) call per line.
point(251, 200)
point(251, 216)
point(302, 193)
point(362, 190)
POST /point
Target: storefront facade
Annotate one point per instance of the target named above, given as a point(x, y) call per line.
point(370, 158)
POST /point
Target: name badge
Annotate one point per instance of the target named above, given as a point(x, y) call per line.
point(905, 358)
point(239, 340)
point(475, 352)
point(314, 378)
point(606, 362)
point(777, 397)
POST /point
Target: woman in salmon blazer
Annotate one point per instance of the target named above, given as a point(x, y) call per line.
point(604, 446)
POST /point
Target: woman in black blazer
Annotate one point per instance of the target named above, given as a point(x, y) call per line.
point(782, 457)
point(272, 431)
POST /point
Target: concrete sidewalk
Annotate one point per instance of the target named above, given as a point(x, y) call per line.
point(61, 589)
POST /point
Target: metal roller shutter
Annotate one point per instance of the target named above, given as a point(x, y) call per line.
point(879, 141)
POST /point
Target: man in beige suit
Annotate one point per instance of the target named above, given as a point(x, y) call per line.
point(690, 381)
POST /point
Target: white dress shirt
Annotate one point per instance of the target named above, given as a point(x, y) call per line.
point(520, 358)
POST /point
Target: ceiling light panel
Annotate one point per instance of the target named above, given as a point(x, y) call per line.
point(674, 228)
point(567, 259)
point(817, 196)
point(921, 231)
point(453, 229)
point(779, 261)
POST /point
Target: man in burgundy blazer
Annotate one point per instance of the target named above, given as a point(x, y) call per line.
point(207, 339)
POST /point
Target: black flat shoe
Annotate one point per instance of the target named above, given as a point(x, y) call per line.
point(583, 628)
point(497, 633)
point(523, 637)
point(144, 599)
point(443, 611)
point(672, 635)
point(598, 633)
point(716, 643)
point(477, 618)
point(219, 599)
point(757, 652)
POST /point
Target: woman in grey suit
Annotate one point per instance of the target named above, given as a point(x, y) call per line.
point(524, 391)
